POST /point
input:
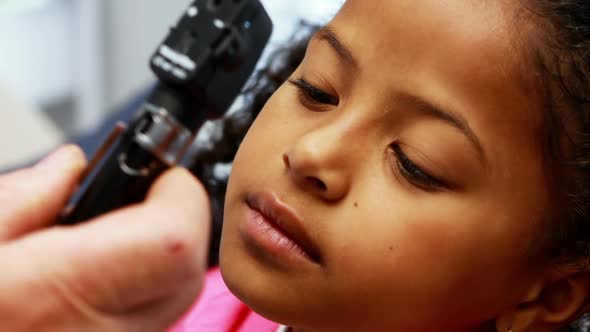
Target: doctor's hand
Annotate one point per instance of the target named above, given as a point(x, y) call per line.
point(136, 269)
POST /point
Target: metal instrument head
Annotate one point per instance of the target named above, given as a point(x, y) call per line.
point(212, 51)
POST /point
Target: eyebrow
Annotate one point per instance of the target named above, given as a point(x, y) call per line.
point(329, 35)
point(453, 119)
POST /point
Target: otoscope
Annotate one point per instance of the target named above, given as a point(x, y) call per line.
point(201, 67)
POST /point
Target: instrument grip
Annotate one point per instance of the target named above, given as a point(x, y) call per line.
point(124, 179)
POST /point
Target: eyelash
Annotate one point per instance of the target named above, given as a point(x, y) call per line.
point(311, 96)
point(413, 173)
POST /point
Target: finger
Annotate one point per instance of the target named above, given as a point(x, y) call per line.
point(127, 258)
point(32, 198)
point(161, 315)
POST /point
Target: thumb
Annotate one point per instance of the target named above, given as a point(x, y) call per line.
point(33, 197)
point(141, 266)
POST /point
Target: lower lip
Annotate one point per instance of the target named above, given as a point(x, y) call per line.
point(263, 235)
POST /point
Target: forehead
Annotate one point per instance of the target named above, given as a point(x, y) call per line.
point(469, 55)
point(463, 19)
point(402, 30)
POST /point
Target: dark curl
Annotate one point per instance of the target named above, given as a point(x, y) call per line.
point(566, 64)
point(565, 54)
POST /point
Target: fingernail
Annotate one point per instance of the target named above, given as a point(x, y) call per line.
point(57, 159)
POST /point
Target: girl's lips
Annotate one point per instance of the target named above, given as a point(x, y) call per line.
point(277, 227)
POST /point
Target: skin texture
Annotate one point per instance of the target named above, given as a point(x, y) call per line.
point(396, 254)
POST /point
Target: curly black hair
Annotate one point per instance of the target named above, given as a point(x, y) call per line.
point(565, 61)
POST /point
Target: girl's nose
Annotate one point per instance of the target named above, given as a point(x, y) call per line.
point(318, 165)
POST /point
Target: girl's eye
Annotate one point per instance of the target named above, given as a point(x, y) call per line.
point(413, 173)
point(309, 95)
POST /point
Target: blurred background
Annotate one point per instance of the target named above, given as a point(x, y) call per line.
point(65, 65)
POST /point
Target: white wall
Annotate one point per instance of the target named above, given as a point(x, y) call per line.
point(37, 52)
point(133, 29)
point(98, 50)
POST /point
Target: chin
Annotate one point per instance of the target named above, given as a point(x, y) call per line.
point(263, 292)
point(252, 291)
point(274, 292)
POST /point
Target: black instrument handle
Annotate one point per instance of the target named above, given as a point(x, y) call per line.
point(118, 184)
point(131, 160)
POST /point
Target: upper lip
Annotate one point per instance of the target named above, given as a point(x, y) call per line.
point(285, 219)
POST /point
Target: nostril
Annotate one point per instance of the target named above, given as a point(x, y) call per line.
point(317, 183)
point(299, 173)
point(286, 161)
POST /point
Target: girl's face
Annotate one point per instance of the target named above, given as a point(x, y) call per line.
point(396, 184)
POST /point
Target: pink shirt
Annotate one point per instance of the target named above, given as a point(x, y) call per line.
point(218, 310)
